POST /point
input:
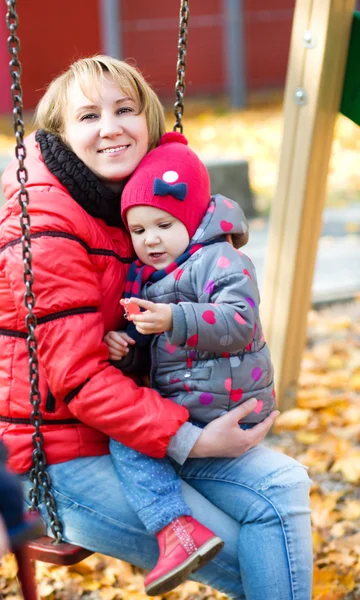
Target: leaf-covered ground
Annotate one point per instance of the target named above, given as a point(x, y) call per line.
point(323, 432)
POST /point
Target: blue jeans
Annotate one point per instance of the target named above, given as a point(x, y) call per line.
point(151, 486)
point(258, 504)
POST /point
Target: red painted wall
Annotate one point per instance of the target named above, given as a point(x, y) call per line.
point(267, 41)
point(53, 34)
point(152, 39)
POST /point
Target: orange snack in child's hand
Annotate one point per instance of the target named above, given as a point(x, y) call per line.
point(130, 307)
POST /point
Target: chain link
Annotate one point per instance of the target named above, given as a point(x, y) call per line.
point(38, 474)
point(181, 65)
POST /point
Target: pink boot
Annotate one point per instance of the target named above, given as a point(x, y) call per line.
point(185, 546)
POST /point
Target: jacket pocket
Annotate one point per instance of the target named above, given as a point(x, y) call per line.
point(202, 373)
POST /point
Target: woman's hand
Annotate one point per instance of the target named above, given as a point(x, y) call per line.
point(223, 437)
point(157, 318)
point(118, 344)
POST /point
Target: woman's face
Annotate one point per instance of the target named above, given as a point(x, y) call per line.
point(106, 132)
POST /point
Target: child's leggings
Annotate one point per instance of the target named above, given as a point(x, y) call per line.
point(150, 485)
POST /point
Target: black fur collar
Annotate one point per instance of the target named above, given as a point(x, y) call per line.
point(86, 189)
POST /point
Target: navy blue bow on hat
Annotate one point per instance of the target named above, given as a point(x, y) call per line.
point(177, 190)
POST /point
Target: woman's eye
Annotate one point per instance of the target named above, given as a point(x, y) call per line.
point(165, 225)
point(124, 109)
point(88, 117)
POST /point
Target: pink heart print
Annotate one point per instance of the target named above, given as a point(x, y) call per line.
point(227, 384)
point(209, 287)
point(239, 319)
point(226, 226)
point(223, 262)
point(178, 273)
point(236, 395)
point(228, 203)
point(193, 340)
point(258, 408)
point(209, 317)
point(171, 348)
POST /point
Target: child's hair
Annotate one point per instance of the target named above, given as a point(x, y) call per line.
point(171, 178)
point(89, 73)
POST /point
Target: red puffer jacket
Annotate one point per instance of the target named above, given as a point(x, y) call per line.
point(79, 265)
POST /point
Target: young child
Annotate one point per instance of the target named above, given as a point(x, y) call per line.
point(208, 353)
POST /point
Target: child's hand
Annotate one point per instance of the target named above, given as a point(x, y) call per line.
point(157, 318)
point(118, 344)
point(129, 308)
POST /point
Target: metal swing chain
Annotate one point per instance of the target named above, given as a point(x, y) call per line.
point(181, 65)
point(38, 474)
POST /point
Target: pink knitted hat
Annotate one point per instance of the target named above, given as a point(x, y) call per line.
point(172, 178)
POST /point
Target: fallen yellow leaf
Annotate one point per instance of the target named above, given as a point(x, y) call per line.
point(293, 419)
point(307, 437)
point(349, 467)
point(109, 593)
point(355, 382)
point(316, 398)
point(351, 510)
point(323, 513)
point(329, 584)
point(341, 529)
point(318, 461)
point(352, 542)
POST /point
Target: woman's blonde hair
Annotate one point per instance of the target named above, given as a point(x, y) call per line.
point(89, 73)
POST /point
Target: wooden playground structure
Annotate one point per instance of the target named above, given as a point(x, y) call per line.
point(318, 60)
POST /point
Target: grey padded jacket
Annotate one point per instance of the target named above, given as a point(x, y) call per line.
point(215, 357)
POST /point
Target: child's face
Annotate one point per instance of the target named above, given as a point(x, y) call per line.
point(158, 237)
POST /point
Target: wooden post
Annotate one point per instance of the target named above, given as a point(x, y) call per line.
point(316, 66)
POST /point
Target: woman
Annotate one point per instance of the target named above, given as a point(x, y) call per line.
point(97, 121)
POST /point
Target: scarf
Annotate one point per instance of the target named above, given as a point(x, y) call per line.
point(139, 274)
point(83, 185)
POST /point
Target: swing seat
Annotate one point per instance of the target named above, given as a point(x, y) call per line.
point(45, 549)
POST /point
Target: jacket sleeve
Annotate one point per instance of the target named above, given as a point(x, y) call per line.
point(70, 331)
point(223, 319)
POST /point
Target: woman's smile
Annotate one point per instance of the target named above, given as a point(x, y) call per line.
point(113, 149)
point(106, 131)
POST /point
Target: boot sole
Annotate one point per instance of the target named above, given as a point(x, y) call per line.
point(198, 559)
